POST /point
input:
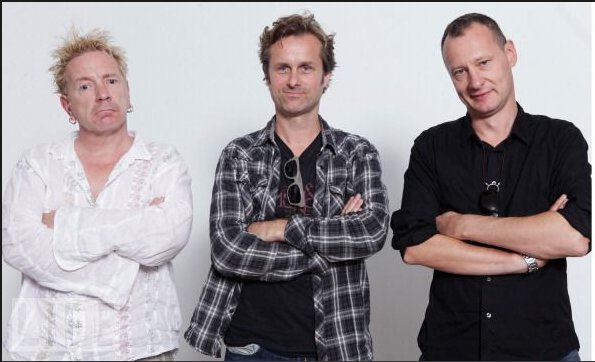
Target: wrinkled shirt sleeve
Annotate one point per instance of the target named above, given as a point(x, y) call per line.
point(27, 245)
point(415, 222)
point(572, 176)
point(355, 235)
point(150, 236)
point(238, 253)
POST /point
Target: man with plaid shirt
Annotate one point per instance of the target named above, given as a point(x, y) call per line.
point(297, 207)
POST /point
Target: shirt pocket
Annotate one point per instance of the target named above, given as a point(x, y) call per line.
point(339, 190)
point(258, 187)
point(259, 197)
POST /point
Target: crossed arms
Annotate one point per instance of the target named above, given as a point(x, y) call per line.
point(279, 250)
point(544, 236)
point(93, 251)
point(471, 244)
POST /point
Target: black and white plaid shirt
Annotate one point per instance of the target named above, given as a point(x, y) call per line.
point(329, 246)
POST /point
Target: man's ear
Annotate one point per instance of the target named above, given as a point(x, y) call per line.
point(65, 104)
point(510, 51)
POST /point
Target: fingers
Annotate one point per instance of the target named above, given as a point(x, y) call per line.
point(541, 262)
point(47, 218)
point(354, 204)
point(253, 228)
point(270, 230)
point(156, 201)
point(559, 203)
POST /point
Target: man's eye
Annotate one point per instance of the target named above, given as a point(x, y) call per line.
point(458, 73)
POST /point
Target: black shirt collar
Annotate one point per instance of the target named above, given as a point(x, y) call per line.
point(521, 128)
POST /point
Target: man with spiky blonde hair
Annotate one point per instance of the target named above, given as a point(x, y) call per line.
point(93, 222)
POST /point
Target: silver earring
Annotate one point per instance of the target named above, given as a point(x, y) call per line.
point(71, 120)
point(130, 109)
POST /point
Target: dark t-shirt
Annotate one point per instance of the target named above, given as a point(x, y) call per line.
point(279, 316)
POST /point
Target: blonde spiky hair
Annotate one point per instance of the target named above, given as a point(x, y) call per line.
point(75, 44)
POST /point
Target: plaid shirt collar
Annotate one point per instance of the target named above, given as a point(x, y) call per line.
point(267, 135)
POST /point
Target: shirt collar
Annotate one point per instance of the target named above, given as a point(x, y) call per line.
point(267, 135)
point(521, 128)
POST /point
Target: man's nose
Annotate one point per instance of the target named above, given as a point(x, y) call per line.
point(103, 93)
point(475, 79)
point(293, 79)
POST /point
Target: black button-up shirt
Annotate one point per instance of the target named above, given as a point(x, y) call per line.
point(525, 316)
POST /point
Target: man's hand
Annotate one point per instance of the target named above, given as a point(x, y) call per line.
point(354, 204)
point(157, 201)
point(559, 203)
point(271, 231)
point(451, 224)
point(47, 218)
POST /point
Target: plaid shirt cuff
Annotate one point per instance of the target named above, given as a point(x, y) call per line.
point(296, 233)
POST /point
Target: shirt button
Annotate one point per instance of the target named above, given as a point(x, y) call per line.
point(488, 315)
point(488, 279)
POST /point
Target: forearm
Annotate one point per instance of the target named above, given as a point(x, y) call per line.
point(235, 249)
point(30, 251)
point(270, 230)
point(161, 234)
point(458, 257)
point(340, 238)
point(163, 227)
point(151, 235)
point(27, 245)
point(355, 229)
point(239, 253)
point(546, 235)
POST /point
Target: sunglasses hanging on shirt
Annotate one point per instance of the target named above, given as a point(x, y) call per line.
point(295, 191)
point(489, 198)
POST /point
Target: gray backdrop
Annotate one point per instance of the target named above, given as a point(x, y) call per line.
point(196, 82)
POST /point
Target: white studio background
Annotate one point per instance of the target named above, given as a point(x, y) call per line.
point(196, 82)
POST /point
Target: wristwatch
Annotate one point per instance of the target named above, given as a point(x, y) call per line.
point(531, 263)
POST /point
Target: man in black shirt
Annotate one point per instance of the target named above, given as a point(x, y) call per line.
point(494, 202)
